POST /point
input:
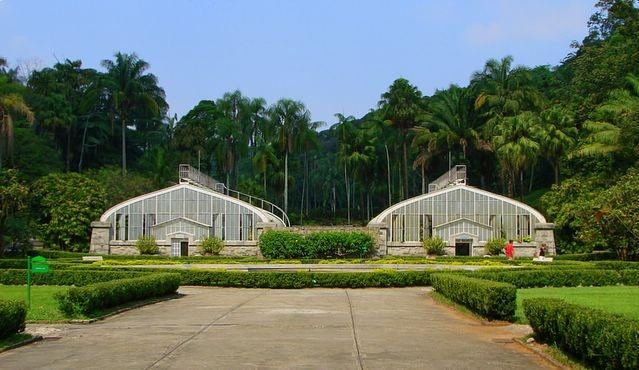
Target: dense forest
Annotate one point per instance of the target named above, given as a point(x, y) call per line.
point(563, 138)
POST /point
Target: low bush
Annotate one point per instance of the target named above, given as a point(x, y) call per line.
point(281, 244)
point(277, 244)
point(553, 277)
point(12, 316)
point(87, 299)
point(296, 280)
point(434, 246)
point(147, 245)
point(617, 265)
point(78, 277)
point(595, 256)
point(494, 246)
point(211, 246)
point(491, 299)
point(601, 339)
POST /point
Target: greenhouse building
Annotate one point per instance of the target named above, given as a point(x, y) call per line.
point(181, 216)
point(465, 218)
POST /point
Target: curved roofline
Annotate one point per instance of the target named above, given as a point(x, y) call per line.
point(258, 211)
point(380, 217)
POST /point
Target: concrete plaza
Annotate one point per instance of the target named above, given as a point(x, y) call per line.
point(229, 328)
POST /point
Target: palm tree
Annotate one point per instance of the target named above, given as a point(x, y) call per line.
point(264, 158)
point(504, 91)
point(402, 106)
point(11, 103)
point(516, 146)
point(426, 143)
point(308, 140)
point(132, 93)
point(345, 131)
point(287, 116)
point(235, 129)
point(558, 133)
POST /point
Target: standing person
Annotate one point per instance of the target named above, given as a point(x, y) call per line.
point(510, 250)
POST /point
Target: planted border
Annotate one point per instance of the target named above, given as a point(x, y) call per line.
point(559, 277)
point(602, 339)
point(491, 299)
point(87, 299)
point(77, 277)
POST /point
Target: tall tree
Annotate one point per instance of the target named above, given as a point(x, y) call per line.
point(558, 133)
point(134, 94)
point(11, 103)
point(402, 107)
point(287, 116)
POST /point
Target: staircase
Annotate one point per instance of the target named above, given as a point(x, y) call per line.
point(190, 175)
point(454, 176)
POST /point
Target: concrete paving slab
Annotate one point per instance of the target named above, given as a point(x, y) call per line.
point(228, 328)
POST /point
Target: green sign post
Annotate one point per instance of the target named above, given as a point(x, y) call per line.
point(35, 265)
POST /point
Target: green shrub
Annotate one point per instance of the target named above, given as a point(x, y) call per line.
point(87, 299)
point(553, 277)
point(12, 316)
point(211, 245)
point(278, 244)
point(337, 244)
point(296, 280)
point(596, 256)
point(434, 246)
point(147, 245)
point(281, 244)
point(494, 246)
point(602, 339)
point(617, 265)
point(64, 277)
point(493, 300)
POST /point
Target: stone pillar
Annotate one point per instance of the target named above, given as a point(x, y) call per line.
point(544, 234)
point(100, 237)
point(380, 231)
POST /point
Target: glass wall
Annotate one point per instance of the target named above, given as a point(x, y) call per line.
point(184, 209)
point(460, 210)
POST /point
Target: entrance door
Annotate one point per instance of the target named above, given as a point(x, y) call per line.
point(184, 248)
point(462, 249)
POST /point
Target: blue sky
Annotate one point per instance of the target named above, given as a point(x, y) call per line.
point(335, 56)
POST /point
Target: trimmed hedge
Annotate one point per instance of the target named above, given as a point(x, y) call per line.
point(557, 278)
point(617, 265)
point(64, 277)
point(87, 299)
point(602, 339)
point(279, 244)
point(491, 299)
point(598, 256)
point(12, 316)
point(296, 280)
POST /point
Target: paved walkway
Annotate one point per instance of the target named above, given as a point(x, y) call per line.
point(229, 328)
point(319, 267)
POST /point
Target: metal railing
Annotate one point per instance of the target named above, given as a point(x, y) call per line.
point(189, 174)
point(454, 176)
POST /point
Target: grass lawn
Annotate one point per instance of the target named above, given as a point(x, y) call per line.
point(618, 299)
point(43, 305)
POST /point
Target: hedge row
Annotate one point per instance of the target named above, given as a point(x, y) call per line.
point(296, 280)
point(561, 278)
point(12, 316)
point(64, 277)
point(602, 339)
point(491, 299)
point(87, 299)
point(598, 256)
point(323, 244)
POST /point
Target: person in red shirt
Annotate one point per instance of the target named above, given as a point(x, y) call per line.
point(510, 250)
